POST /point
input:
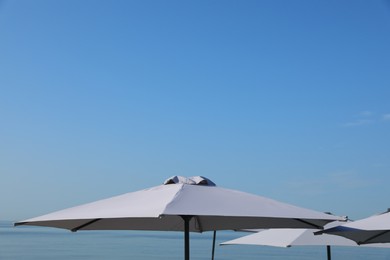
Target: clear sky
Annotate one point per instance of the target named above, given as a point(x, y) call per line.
point(285, 99)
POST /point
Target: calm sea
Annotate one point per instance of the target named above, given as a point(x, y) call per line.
point(36, 243)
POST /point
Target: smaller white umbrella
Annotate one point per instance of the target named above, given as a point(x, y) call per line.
point(287, 237)
point(374, 229)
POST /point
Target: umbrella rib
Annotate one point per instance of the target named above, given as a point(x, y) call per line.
point(20, 223)
point(200, 228)
point(308, 223)
point(84, 225)
point(373, 237)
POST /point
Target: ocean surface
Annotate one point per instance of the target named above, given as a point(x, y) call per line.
point(37, 243)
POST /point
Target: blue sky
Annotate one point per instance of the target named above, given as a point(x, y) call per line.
point(285, 99)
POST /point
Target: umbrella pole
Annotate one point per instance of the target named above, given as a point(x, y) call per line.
point(186, 236)
point(328, 252)
point(214, 236)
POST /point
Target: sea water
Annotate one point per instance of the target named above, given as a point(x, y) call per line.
point(39, 243)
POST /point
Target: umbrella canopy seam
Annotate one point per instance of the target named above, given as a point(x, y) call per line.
point(173, 200)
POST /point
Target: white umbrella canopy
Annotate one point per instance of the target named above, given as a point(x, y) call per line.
point(183, 204)
point(374, 229)
point(287, 237)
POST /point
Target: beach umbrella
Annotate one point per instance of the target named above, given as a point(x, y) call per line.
point(193, 204)
point(374, 229)
point(287, 237)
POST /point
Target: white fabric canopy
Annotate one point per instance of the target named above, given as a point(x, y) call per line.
point(287, 237)
point(183, 204)
point(374, 229)
point(160, 208)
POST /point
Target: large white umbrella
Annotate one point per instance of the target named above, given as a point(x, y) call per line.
point(183, 204)
point(287, 237)
point(374, 229)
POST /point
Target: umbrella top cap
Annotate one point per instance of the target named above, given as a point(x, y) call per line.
point(195, 180)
